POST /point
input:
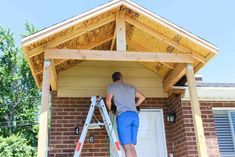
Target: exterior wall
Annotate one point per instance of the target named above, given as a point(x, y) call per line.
point(92, 78)
point(68, 113)
point(208, 124)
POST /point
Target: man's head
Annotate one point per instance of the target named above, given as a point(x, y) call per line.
point(116, 76)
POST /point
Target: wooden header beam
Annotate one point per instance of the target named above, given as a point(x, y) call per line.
point(117, 56)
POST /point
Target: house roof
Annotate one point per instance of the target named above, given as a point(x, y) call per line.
point(95, 29)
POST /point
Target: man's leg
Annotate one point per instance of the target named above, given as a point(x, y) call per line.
point(129, 150)
point(134, 132)
point(133, 150)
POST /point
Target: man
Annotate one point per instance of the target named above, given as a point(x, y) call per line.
point(127, 116)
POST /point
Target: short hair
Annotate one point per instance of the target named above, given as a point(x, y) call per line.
point(116, 76)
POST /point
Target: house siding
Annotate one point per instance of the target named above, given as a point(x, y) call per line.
point(68, 113)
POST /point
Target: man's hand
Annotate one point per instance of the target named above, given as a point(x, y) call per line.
point(108, 101)
point(140, 98)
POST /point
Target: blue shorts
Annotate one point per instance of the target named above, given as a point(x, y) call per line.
point(127, 126)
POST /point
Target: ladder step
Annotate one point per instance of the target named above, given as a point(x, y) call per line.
point(106, 123)
point(96, 125)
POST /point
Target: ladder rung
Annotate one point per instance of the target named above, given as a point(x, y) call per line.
point(96, 125)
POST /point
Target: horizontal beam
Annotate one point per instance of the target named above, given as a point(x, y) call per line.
point(117, 56)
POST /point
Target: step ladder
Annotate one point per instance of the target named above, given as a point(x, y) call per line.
point(98, 102)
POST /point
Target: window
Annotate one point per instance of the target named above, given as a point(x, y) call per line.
point(225, 130)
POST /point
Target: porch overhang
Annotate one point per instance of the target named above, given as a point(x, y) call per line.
point(164, 48)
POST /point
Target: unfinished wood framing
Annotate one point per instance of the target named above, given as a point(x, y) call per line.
point(121, 31)
point(143, 49)
point(31, 66)
point(53, 79)
point(122, 19)
point(164, 38)
point(71, 35)
point(44, 111)
point(117, 56)
point(176, 74)
point(113, 40)
point(196, 112)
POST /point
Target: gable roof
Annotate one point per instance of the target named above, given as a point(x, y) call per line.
point(146, 31)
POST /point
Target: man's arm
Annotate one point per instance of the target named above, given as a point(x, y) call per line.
point(108, 101)
point(140, 98)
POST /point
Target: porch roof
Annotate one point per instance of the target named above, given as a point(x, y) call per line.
point(96, 30)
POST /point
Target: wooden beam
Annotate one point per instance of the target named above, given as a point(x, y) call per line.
point(174, 77)
point(70, 36)
point(117, 56)
point(53, 79)
point(44, 112)
point(196, 112)
point(88, 46)
point(113, 40)
point(121, 31)
point(165, 39)
point(138, 47)
point(31, 66)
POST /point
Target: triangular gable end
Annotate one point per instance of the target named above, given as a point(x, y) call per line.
point(141, 24)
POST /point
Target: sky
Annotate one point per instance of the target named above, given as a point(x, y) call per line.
point(212, 20)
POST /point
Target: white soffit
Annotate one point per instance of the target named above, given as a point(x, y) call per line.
point(211, 93)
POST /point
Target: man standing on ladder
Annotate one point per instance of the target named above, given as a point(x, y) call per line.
point(127, 116)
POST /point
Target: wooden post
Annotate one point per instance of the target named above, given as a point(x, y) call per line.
point(121, 31)
point(196, 112)
point(44, 112)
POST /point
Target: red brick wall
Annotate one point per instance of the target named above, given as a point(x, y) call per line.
point(208, 125)
point(68, 113)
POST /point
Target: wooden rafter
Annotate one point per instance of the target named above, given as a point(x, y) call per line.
point(164, 38)
point(31, 66)
point(70, 36)
point(176, 74)
point(117, 56)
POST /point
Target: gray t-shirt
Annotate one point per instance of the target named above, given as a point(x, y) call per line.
point(123, 96)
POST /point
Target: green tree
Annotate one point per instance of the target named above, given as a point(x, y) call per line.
point(15, 146)
point(19, 96)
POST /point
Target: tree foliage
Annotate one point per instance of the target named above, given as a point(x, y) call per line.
point(15, 146)
point(19, 96)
